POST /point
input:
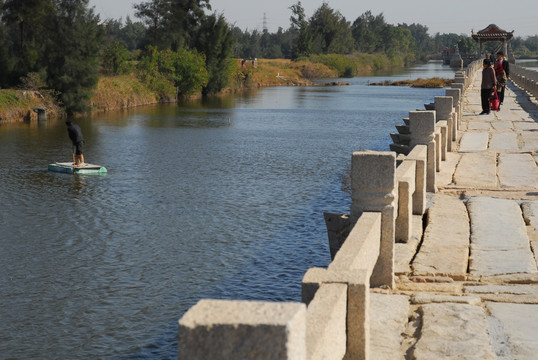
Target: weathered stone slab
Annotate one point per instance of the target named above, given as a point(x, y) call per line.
point(445, 247)
point(518, 170)
point(444, 176)
point(520, 324)
point(474, 141)
point(530, 140)
point(499, 241)
point(496, 224)
point(530, 213)
point(514, 289)
point(504, 141)
point(502, 125)
point(388, 314)
point(526, 125)
point(477, 170)
point(481, 125)
point(453, 331)
point(494, 262)
point(434, 298)
point(404, 252)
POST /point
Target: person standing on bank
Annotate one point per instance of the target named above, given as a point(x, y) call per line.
point(488, 83)
point(75, 134)
point(506, 67)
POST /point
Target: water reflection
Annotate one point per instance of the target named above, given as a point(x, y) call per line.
point(528, 63)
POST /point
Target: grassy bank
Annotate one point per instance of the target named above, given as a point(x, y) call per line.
point(126, 91)
point(418, 83)
point(123, 91)
point(17, 105)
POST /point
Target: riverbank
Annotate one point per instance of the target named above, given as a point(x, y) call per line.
point(127, 91)
point(418, 83)
point(18, 105)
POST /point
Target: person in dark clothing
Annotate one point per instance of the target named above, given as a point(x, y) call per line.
point(488, 83)
point(75, 134)
point(506, 67)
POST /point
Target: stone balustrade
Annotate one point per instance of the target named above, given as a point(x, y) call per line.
point(332, 321)
point(526, 79)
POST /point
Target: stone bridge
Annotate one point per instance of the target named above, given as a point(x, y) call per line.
point(437, 258)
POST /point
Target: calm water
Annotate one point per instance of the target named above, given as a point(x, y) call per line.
point(221, 199)
point(528, 63)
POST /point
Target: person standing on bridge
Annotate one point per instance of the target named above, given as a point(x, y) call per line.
point(505, 65)
point(489, 81)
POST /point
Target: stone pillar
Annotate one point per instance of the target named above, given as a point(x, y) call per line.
point(459, 78)
point(419, 155)
point(422, 128)
point(373, 185)
point(438, 136)
point(456, 96)
point(458, 86)
point(358, 306)
point(443, 111)
point(405, 177)
point(228, 329)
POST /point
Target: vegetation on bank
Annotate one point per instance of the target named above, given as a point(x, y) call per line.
point(435, 82)
point(178, 49)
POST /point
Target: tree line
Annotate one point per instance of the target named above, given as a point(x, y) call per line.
point(181, 46)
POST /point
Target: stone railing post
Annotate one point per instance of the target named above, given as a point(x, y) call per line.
point(373, 185)
point(443, 112)
point(422, 129)
point(419, 156)
point(458, 86)
point(405, 177)
point(357, 329)
point(456, 96)
point(459, 78)
point(232, 329)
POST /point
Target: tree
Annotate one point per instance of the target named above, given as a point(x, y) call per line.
point(467, 46)
point(172, 24)
point(215, 40)
point(299, 25)
point(397, 40)
point(331, 32)
point(423, 44)
point(190, 74)
point(165, 69)
point(25, 22)
point(183, 20)
point(367, 30)
point(72, 57)
point(115, 57)
point(153, 15)
point(132, 34)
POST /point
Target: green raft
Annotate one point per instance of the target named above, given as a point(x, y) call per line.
point(86, 169)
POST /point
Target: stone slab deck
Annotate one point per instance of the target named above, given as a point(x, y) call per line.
point(453, 331)
point(518, 170)
point(517, 325)
point(499, 241)
point(389, 315)
point(477, 170)
point(471, 289)
point(445, 246)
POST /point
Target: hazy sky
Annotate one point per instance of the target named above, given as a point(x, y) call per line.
point(444, 16)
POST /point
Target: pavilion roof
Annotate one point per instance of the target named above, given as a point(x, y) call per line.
point(492, 33)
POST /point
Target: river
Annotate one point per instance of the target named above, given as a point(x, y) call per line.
point(220, 199)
